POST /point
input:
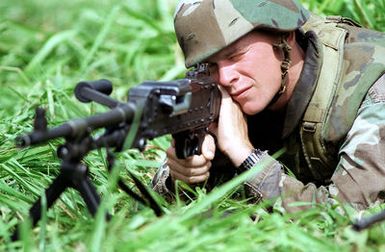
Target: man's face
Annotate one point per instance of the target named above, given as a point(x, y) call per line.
point(249, 70)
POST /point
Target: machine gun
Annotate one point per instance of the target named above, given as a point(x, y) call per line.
point(184, 108)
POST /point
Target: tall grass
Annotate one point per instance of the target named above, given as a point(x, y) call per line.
point(368, 13)
point(46, 47)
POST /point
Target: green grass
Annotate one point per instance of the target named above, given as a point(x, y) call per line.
point(46, 47)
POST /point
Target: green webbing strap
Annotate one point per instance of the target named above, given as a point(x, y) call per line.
point(146, 198)
point(315, 152)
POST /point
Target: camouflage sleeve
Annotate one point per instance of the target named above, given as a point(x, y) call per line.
point(360, 174)
point(265, 185)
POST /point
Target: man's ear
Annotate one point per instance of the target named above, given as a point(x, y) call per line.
point(291, 38)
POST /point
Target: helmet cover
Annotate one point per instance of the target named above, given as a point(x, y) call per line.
point(204, 27)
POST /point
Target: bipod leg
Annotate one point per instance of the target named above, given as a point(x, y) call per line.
point(89, 195)
point(52, 193)
point(78, 174)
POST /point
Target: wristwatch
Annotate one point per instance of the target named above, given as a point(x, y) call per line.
point(251, 160)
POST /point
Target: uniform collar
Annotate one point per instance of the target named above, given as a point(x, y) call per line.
point(305, 86)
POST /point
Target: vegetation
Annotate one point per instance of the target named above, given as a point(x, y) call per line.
point(46, 47)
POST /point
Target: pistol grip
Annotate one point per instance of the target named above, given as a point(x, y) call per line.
point(189, 143)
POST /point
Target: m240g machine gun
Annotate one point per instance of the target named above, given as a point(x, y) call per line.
point(184, 108)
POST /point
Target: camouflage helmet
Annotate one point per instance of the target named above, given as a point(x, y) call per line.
point(204, 27)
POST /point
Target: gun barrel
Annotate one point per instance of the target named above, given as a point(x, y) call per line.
point(78, 127)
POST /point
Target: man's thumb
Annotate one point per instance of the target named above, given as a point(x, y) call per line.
point(208, 147)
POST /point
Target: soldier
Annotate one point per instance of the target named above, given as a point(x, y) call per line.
point(289, 79)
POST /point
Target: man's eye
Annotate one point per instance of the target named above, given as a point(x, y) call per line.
point(235, 56)
point(212, 68)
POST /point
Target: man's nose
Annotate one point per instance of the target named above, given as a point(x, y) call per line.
point(227, 74)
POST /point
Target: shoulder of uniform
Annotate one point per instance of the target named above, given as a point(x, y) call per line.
point(376, 93)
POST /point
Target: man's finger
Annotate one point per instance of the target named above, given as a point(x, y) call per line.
point(224, 93)
point(189, 180)
point(194, 163)
point(190, 171)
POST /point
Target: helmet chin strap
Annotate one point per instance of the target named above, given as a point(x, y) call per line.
point(285, 47)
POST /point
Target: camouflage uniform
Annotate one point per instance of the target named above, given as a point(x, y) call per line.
point(333, 128)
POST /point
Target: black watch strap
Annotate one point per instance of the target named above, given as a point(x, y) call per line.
point(251, 160)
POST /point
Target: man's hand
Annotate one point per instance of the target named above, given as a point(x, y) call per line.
point(193, 169)
point(232, 131)
point(232, 135)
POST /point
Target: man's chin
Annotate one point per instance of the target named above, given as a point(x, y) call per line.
point(249, 109)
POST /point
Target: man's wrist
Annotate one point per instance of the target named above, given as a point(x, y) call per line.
point(239, 153)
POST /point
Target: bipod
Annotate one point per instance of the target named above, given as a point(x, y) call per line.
point(73, 174)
